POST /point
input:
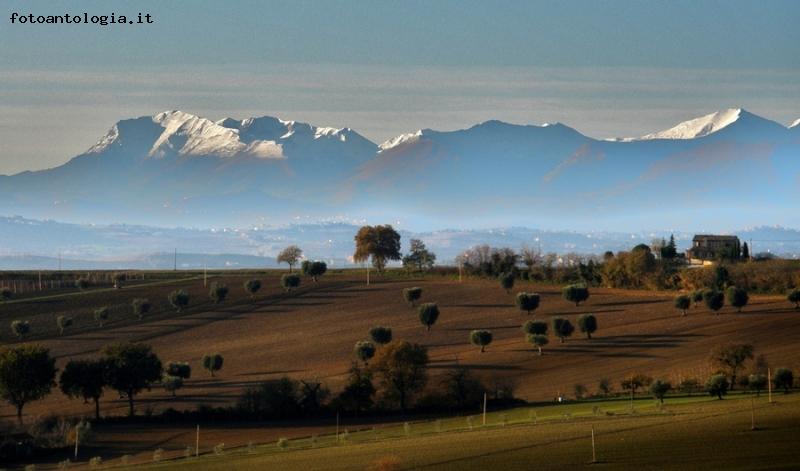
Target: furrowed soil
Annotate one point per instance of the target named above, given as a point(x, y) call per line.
point(310, 334)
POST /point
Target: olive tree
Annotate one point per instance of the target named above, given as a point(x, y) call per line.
point(213, 362)
point(84, 379)
point(757, 382)
point(62, 322)
point(412, 295)
point(576, 294)
point(380, 335)
point(20, 328)
point(179, 299)
point(683, 303)
point(364, 350)
point(587, 323)
point(714, 300)
point(527, 302)
point(793, 296)
point(252, 287)
point(27, 374)
point(659, 388)
point(428, 314)
point(737, 297)
point(171, 384)
point(314, 269)
point(131, 367)
point(181, 369)
point(717, 385)
point(562, 328)
point(101, 315)
point(538, 341)
point(290, 282)
point(481, 338)
point(290, 256)
point(535, 328)
point(141, 307)
point(507, 281)
point(697, 297)
point(218, 292)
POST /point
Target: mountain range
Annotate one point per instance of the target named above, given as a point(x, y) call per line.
point(728, 169)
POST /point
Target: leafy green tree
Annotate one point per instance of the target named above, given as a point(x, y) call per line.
point(587, 324)
point(84, 379)
point(419, 258)
point(401, 371)
point(481, 338)
point(576, 294)
point(714, 300)
point(290, 256)
point(171, 384)
point(380, 335)
point(357, 395)
point(659, 388)
point(634, 382)
point(535, 328)
point(794, 297)
point(181, 369)
point(380, 243)
point(62, 322)
point(717, 385)
point(412, 295)
point(5, 294)
point(784, 378)
point(527, 302)
point(428, 314)
point(27, 374)
point(562, 328)
point(141, 307)
point(364, 350)
point(252, 287)
point(537, 341)
point(737, 297)
point(314, 269)
point(179, 299)
point(218, 292)
point(131, 367)
point(731, 358)
point(683, 303)
point(290, 282)
point(757, 382)
point(82, 283)
point(213, 363)
point(20, 328)
point(507, 281)
point(101, 315)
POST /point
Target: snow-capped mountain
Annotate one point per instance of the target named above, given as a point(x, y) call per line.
point(730, 168)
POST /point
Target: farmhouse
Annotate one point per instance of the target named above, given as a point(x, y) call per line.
point(706, 248)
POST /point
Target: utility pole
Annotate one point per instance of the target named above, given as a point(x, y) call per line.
point(367, 275)
point(484, 409)
point(175, 260)
point(337, 427)
point(460, 269)
point(197, 442)
point(769, 384)
point(594, 455)
point(752, 413)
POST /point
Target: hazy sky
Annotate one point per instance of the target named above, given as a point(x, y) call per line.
point(606, 68)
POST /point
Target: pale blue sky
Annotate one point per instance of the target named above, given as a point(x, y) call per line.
point(607, 68)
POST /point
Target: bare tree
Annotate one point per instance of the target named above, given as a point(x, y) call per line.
point(290, 255)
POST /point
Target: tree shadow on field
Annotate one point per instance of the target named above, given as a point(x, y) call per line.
point(276, 372)
point(480, 306)
point(585, 311)
point(490, 327)
point(631, 303)
point(474, 366)
point(302, 304)
point(789, 310)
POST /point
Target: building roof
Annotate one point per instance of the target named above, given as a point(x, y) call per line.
point(699, 237)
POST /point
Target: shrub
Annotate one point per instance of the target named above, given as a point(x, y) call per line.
point(507, 281)
point(481, 338)
point(535, 327)
point(428, 314)
point(381, 335)
point(527, 301)
point(587, 323)
point(714, 300)
point(538, 341)
point(737, 297)
point(683, 303)
point(784, 378)
point(562, 328)
point(717, 385)
point(412, 295)
point(140, 307)
point(218, 292)
point(101, 315)
point(179, 299)
point(576, 294)
point(290, 282)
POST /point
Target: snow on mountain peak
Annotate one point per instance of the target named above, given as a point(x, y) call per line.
point(698, 127)
point(795, 124)
point(401, 140)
